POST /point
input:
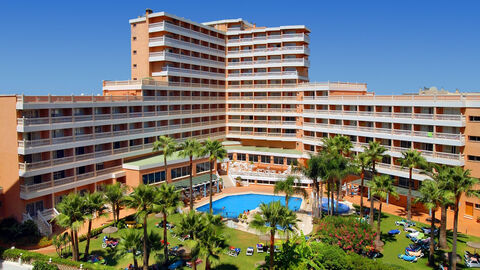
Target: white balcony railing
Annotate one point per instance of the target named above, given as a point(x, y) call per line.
point(184, 72)
point(271, 62)
point(273, 38)
point(165, 56)
point(285, 49)
point(168, 41)
point(433, 135)
point(170, 27)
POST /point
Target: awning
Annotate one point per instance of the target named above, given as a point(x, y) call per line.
point(197, 181)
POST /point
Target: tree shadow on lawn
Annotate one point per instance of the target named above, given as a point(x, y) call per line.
point(388, 238)
point(226, 266)
point(110, 255)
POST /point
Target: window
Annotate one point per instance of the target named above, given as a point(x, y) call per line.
point(134, 65)
point(278, 160)
point(474, 158)
point(477, 206)
point(474, 138)
point(134, 25)
point(474, 118)
point(292, 161)
point(202, 167)
point(33, 208)
point(134, 38)
point(134, 52)
point(241, 157)
point(265, 159)
point(253, 158)
point(58, 175)
point(180, 172)
point(403, 182)
point(152, 178)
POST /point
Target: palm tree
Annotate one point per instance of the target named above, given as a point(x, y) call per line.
point(191, 224)
point(71, 217)
point(114, 196)
point(376, 152)
point(93, 208)
point(441, 175)
point(363, 162)
point(431, 196)
point(215, 151)
point(131, 241)
point(381, 186)
point(269, 217)
point(288, 187)
point(168, 146)
point(190, 148)
point(211, 239)
point(143, 199)
point(169, 201)
point(460, 183)
point(411, 159)
point(312, 171)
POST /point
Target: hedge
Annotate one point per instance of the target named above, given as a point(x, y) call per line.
point(30, 257)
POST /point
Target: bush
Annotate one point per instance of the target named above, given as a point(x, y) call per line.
point(26, 233)
point(350, 234)
point(29, 257)
point(39, 265)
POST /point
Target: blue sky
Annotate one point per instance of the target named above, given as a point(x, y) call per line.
point(69, 47)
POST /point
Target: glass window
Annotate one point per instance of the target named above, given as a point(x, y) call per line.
point(265, 159)
point(278, 160)
point(253, 158)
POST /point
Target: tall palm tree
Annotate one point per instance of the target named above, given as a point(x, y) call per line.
point(94, 207)
point(269, 217)
point(114, 196)
point(411, 159)
point(363, 162)
point(441, 175)
point(312, 171)
point(168, 146)
point(211, 239)
point(131, 241)
point(72, 217)
point(191, 148)
point(215, 151)
point(169, 201)
point(192, 224)
point(288, 187)
point(460, 183)
point(431, 196)
point(376, 152)
point(381, 186)
point(143, 199)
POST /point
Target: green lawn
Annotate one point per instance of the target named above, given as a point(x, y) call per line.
point(396, 245)
point(235, 238)
point(393, 246)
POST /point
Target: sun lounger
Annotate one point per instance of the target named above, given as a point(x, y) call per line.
point(249, 251)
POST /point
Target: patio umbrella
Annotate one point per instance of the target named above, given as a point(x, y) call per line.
point(474, 245)
point(184, 251)
point(109, 230)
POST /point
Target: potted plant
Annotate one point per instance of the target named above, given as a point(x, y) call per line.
point(238, 181)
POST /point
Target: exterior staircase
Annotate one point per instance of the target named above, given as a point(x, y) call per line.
point(42, 219)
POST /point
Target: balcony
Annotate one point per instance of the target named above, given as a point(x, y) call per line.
point(116, 134)
point(262, 110)
point(169, 27)
point(392, 115)
point(192, 73)
point(269, 51)
point(180, 44)
point(395, 100)
point(241, 122)
point(411, 133)
point(174, 57)
point(272, 38)
point(286, 62)
point(263, 135)
point(265, 76)
point(113, 116)
point(25, 190)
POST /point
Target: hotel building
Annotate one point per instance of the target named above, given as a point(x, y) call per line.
point(230, 80)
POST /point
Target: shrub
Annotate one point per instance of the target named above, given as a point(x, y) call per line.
point(39, 265)
point(28, 229)
point(26, 233)
point(350, 234)
point(28, 256)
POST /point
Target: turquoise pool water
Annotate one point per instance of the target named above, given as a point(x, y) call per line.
point(342, 208)
point(233, 205)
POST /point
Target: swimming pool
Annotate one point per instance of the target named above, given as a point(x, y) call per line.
point(233, 205)
point(342, 208)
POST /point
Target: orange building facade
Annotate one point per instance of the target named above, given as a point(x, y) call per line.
point(227, 80)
